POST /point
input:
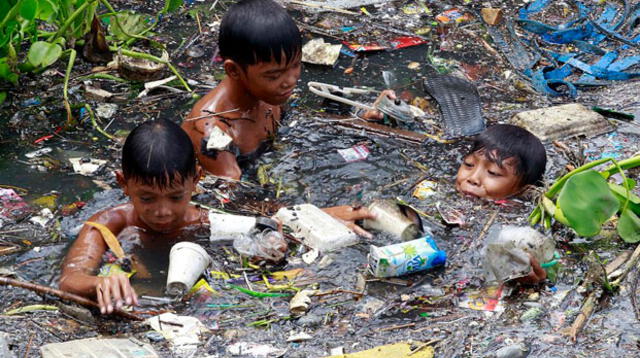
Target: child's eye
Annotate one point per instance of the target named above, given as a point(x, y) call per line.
point(177, 197)
point(495, 174)
point(467, 164)
point(145, 199)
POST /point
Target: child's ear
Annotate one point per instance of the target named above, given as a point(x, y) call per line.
point(122, 181)
point(232, 69)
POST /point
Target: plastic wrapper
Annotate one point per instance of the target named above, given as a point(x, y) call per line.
point(506, 254)
point(267, 245)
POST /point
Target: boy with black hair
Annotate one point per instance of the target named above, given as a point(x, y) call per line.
point(504, 160)
point(159, 173)
point(236, 122)
point(262, 48)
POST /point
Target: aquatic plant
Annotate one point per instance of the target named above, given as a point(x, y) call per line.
point(48, 30)
point(585, 199)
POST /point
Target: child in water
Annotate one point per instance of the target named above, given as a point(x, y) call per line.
point(159, 174)
point(504, 160)
point(237, 121)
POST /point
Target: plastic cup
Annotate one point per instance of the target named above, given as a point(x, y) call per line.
point(187, 261)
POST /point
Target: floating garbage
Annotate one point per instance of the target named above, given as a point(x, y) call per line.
point(355, 153)
point(43, 219)
point(99, 347)
point(396, 350)
point(183, 332)
point(506, 255)
point(4, 346)
point(425, 189)
point(491, 16)
point(139, 69)
point(86, 166)
point(486, 299)
point(96, 94)
point(394, 44)
point(247, 349)
point(319, 52)
point(39, 152)
point(564, 121)
point(406, 257)
point(187, 262)
point(13, 206)
point(396, 108)
point(262, 243)
point(391, 218)
point(316, 228)
point(228, 226)
point(106, 110)
point(459, 103)
point(299, 304)
point(453, 16)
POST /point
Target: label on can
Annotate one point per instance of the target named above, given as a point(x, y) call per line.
point(406, 257)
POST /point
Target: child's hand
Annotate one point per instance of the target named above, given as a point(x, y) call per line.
point(537, 274)
point(113, 292)
point(375, 115)
point(348, 215)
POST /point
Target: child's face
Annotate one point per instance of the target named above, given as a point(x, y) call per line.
point(162, 210)
point(272, 82)
point(480, 177)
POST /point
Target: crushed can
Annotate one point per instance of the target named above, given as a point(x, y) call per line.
point(396, 108)
point(406, 257)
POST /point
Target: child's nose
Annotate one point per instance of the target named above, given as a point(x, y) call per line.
point(163, 210)
point(474, 178)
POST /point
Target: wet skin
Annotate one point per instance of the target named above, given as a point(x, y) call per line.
point(257, 91)
point(160, 213)
point(480, 177)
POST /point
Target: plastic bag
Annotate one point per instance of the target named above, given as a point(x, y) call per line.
point(261, 245)
point(506, 254)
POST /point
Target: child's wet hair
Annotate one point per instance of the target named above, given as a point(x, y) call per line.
point(502, 141)
point(254, 31)
point(158, 153)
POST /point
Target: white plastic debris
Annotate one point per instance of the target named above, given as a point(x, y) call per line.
point(318, 52)
point(299, 337)
point(299, 304)
point(218, 139)
point(106, 110)
point(43, 219)
point(310, 256)
point(86, 166)
point(316, 228)
point(97, 94)
point(38, 153)
point(99, 347)
point(182, 331)
point(506, 255)
point(248, 349)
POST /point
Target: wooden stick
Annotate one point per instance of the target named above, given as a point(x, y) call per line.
point(383, 130)
point(391, 328)
point(63, 295)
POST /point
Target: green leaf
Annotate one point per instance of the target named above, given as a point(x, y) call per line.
point(133, 24)
point(47, 10)
point(623, 199)
point(3, 96)
point(587, 202)
point(29, 9)
point(6, 73)
point(619, 189)
point(43, 54)
point(629, 226)
point(171, 5)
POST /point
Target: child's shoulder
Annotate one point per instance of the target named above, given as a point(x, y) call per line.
point(117, 216)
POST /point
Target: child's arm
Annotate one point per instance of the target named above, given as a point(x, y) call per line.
point(82, 261)
point(349, 215)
